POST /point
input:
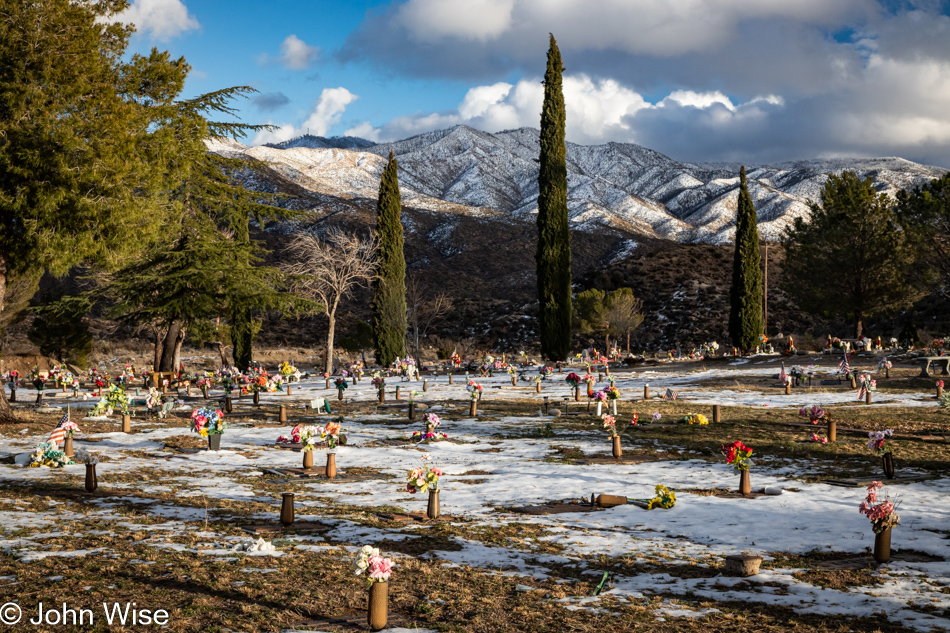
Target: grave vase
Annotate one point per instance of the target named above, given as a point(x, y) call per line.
point(382, 394)
point(473, 409)
point(204, 390)
point(537, 387)
point(331, 465)
point(214, 441)
point(282, 414)
point(600, 407)
point(328, 383)
point(613, 407)
point(12, 393)
point(91, 482)
point(882, 546)
point(832, 431)
point(68, 447)
point(888, 460)
point(339, 394)
point(287, 508)
point(432, 511)
point(577, 394)
point(257, 397)
point(227, 404)
point(307, 460)
point(745, 483)
point(616, 449)
point(378, 611)
point(126, 423)
point(412, 411)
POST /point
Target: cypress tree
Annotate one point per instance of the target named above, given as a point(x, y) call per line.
point(554, 238)
point(389, 299)
point(745, 315)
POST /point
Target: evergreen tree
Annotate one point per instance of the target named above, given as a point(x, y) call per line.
point(852, 259)
point(60, 330)
point(745, 314)
point(389, 286)
point(553, 256)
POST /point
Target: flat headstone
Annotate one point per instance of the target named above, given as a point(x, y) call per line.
point(556, 507)
point(321, 474)
point(624, 459)
point(274, 528)
point(724, 493)
point(49, 410)
point(864, 561)
point(411, 516)
point(864, 482)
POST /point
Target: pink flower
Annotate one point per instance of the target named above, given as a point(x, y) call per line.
point(436, 471)
point(380, 568)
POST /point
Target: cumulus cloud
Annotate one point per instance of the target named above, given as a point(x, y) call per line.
point(295, 54)
point(726, 79)
point(268, 101)
point(162, 19)
point(325, 113)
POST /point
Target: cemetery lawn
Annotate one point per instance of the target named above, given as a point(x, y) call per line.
point(161, 531)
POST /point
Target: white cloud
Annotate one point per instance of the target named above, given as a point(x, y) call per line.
point(698, 99)
point(429, 20)
point(295, 54)
point(326, 112)
point(597, 111)
point(163, 19)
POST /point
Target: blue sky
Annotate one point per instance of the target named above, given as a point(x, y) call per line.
point(736, 80)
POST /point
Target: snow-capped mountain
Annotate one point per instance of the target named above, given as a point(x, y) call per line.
point(620, 185)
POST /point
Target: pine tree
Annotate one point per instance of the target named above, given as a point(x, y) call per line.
point(389, 299)
point(553, 256)
point(745, 315)
point(853, 258)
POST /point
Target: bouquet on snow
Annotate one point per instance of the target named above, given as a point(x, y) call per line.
point(737, 455)
point(46, 454)
point(882, 514)
point(206, 421)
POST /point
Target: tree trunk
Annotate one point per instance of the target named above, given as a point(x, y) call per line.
point(628, 342)
point(331, 330)
point(858, 325)
point(6, 411)
point(176, 362)
point(167, 363)
point(241, 338)
point(607, 345)
point(157, 358)
point(3, 286)
point(222, 352)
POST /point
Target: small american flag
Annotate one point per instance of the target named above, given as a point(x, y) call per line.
point(844, 367)
point(782, 375)
point(59, 435)
point(670, 395)
point(862, 392)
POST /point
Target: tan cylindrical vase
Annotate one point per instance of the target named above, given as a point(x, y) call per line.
point(339, 394)
point(308, 460)
point(126, 423)
point(91, 482)
point(616, 449)
point(745, 482)
point(717, 414)
point(473, 409)
point(68, 447)
point(378, 610)
point(882, 546)
point(646, 392)
point(282, 413)
point(832, 431)
point(609, 501)
point(433, 511)
point(331, 465)
point(257, 397)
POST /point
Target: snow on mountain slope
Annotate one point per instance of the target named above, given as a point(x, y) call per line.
point(619, 185)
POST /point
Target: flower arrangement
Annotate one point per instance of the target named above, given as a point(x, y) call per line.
point(610, 424)
point(866, 384)
point(39, 383)
point(882, 515)
point(547, 371)
point(819, 438)
point(258, 383)
point(327, 437)
point(378, 381)
point(664, 498)
point(737, 455)
point(813, 413)
point(341, 384)
point(294, 436)
point(694, 418)
point(286, 369)
point(69, 428)
point(377, 568)
point(419, 436)
point(475, 389)
point(877, 441)
point(206, 381)
point(47, 455)
point(424, 478)
point(206, 421)
point(611, 392)
point(590, 380)
point(114, 399)
point(599, 396)
point(883, 365)
point(431, 419)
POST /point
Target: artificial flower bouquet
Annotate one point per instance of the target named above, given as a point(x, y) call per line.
point(475, 389)
point(378, 381)
point(610, 424)
point(424, 478)
point(877, 441)
point(883, 514)
point(294, 436)
point(663, 498)
point(327, 437)
point(694, 418)
point(599, 396)
point(341, 384)
point(611, 392)
point(69, 428)
point(206, 421)
point(814, 413)
point(114, 399)
point(573, 380)
point(286, 369)
point(737, 455)
point(47, 454)
point(377, 568)
point(883, 365)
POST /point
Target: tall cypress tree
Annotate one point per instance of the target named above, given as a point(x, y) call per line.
point(389, 299)
point(554, 237)
point(745, 315)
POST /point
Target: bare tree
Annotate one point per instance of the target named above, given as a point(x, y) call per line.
point(623, 313)
point(423, 311)
point(329, 269)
